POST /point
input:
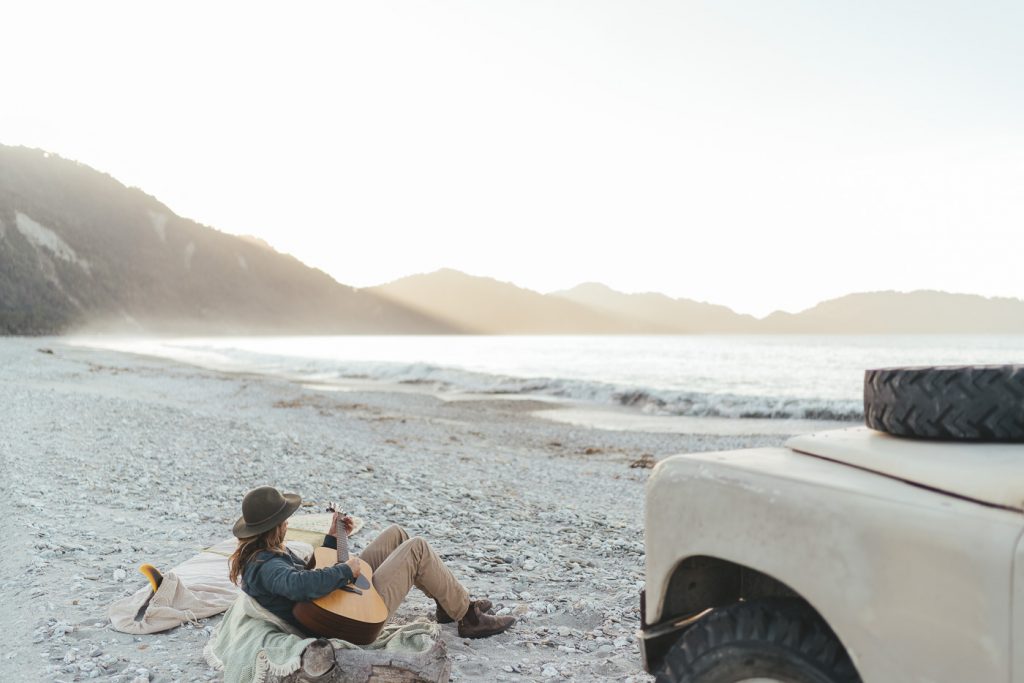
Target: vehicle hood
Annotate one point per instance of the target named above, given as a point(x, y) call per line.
point(988, 473)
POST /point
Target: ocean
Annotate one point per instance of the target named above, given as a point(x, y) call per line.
point(773, 376)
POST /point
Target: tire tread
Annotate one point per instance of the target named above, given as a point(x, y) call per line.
point(786, 625)
point(952, 403)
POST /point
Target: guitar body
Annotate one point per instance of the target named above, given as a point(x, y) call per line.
point(343, 613)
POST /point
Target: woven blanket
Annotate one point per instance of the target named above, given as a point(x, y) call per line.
point(251, 642)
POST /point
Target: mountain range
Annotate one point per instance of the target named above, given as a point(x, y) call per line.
point(80, 251)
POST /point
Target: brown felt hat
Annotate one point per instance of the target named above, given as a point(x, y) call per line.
point(263, 508)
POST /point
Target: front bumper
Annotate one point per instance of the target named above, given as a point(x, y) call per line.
point(655, 640)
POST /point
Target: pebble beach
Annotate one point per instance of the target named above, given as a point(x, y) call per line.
point(110, 460)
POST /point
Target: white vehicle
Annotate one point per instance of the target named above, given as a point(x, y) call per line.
point(849, 555)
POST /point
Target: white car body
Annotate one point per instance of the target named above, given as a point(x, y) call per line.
point(910, 550)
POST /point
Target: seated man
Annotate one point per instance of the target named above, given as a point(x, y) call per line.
point(277, 579)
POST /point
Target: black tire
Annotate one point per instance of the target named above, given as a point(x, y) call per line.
point(955, 403)
point(777, 639)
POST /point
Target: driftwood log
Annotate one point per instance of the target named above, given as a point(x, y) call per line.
point(321, 663)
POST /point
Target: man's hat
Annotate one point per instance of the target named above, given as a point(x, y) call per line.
point(264, 508)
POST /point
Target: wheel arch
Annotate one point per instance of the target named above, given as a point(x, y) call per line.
point(701, 583)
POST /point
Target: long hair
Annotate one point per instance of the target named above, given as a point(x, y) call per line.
point(272, 540)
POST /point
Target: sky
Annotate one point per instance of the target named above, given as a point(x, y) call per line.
point(761, 155)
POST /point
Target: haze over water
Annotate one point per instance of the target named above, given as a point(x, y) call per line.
point(777, 376)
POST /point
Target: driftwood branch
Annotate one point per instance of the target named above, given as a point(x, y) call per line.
point(321, 663)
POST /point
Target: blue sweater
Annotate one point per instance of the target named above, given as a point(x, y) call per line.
point(279, 580)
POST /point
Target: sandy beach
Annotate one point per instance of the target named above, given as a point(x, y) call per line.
point(111, 460)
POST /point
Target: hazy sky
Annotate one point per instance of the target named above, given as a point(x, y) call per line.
point(758, 154)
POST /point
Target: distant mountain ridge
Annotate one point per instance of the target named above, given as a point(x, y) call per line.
point(79, 250)
point(918, 312)
point(655, 311)
point(486, 306)
point(481, 305)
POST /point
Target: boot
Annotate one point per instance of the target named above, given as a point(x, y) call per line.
point(478, 624)
point(443, 618)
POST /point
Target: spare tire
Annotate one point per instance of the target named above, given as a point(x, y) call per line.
point(959, 403)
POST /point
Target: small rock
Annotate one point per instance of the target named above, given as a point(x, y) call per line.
point(645, 461)
point(60, 628)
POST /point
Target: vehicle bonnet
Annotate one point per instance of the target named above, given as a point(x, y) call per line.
point(987, 473)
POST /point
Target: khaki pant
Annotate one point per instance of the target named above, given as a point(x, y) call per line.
point(400, 562)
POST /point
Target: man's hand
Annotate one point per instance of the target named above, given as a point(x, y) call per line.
point(345, 521)
point(353, 563)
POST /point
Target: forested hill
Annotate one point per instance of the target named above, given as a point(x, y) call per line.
point(80, 250)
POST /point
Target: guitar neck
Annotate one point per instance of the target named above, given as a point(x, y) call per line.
point(340, 533)
point(342, 538)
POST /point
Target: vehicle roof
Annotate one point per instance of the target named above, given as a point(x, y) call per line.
point(990, 473)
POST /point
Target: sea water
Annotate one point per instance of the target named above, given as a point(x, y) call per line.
point(769, 376)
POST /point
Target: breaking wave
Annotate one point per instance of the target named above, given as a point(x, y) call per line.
point(647, 400)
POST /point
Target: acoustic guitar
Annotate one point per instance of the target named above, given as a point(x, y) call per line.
point(355, 612)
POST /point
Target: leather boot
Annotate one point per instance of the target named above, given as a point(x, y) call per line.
point(443, 618)
point(478, 624)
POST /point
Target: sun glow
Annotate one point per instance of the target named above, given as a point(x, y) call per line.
point(758, 156)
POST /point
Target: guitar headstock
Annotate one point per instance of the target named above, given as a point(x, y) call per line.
point(335, 507)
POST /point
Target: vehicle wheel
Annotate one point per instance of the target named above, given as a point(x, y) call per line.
point(962, 403)
point(764, 640)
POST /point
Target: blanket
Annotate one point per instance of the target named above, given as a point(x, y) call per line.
point(200, 587)
point(250, 643)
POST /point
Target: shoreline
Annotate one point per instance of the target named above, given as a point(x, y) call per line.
point(419, 364)
point(576, 411)
point(116, 459)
